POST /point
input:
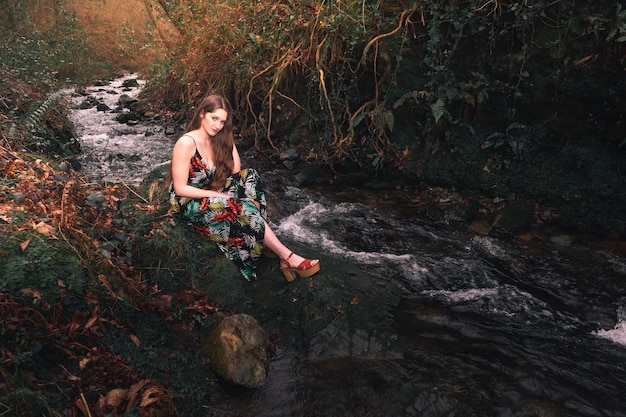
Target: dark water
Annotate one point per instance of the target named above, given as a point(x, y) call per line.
point(489, 326)
point(483, 326)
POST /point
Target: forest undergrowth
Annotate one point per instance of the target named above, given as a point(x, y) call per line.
point(63, 286)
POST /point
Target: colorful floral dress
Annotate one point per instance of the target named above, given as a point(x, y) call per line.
point(235, 224)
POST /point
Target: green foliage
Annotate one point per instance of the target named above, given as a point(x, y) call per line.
point(25, 402)
point(612, 27)
point(35, 65)
point(35, 117)
point(41, 266)
point(45, 57)
point(353, 74)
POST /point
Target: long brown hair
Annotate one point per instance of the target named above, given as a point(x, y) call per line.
point(222, 144)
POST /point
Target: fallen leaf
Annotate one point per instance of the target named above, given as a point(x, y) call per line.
point(115, 397)
point(24, 244)
point(147, 397)
point(95, 318)
point(83, 362)
point(134, 393)
point(105, 282)
point(134, 339)
point(44, 228)
point(92, 298)
point(80, 404)
point(36, 294)
point(77, 321)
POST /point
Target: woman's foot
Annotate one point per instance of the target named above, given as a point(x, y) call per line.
point(296, 264)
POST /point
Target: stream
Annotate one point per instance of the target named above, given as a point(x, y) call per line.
point(114, 151)
point(484, 326)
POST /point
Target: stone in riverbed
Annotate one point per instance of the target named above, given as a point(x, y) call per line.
point(237, 348)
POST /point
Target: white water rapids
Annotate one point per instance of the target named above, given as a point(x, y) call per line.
point(112, 151)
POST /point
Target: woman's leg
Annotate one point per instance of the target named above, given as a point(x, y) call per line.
point(283, 252)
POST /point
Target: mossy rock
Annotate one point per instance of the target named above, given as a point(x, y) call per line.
point(515, 216)
point(238, 348)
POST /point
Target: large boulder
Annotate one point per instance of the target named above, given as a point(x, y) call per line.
point(237, 348)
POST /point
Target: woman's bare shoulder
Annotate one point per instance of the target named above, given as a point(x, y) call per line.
point(186, 139)
point(185, 142)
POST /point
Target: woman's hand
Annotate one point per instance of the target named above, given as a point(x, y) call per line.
point(224, 195)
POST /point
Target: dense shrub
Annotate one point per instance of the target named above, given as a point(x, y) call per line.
point(383, 82)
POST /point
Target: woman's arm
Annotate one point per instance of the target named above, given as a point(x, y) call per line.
point(183, 150)
point(236, 160)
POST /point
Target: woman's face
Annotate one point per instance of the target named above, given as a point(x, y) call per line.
point(214, 122)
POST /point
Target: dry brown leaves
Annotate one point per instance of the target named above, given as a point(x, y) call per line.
point(36, 197)
point(100, 368)
point(54, 203)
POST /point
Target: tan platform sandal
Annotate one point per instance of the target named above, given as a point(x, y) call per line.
point(306, 268)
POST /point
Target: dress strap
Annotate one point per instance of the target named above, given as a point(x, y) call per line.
point(194, 141)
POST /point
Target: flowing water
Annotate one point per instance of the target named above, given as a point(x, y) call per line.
point(112, 151)
point(488, 326)
point(496, 328)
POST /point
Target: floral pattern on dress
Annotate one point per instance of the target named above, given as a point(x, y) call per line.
point(236, 225)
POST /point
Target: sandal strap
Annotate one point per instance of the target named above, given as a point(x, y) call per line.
point(284, 263)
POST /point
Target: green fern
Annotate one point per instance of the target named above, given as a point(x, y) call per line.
point(411, 95)
point(34, 117)
point(438, 109)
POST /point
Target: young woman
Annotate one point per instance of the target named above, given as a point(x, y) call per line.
point(210, 191)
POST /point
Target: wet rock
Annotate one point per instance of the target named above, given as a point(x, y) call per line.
point(126, 117)
point(238, 351)
point(122, 157)
point(335, 341)
point(464, 210)
point(19, 197)
point(309, 174)
point(430, 404)
point(131, 82)
point(126, 101)
point(514, 216)
point(124, 131)
point(561, 240)
point(88, 103)
point(102, 107)
point(289, 155)
point(95, 198)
